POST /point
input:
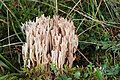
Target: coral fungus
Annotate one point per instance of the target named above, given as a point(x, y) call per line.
point(49, 40)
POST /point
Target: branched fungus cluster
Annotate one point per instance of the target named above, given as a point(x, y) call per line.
point(49, 40)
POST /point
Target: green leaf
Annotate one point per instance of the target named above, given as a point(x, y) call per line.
point(69, 78)
point(119, 35)
point(53, 67)
point(4, 65)
point(106, 34)
point(64, 77)
point(85, 75)
point(97, 47)
point(105, 46)
point(114, 48)
point(98, 74)
point(77, 74)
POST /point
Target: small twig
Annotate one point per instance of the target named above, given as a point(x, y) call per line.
point(56, 7)
point(8, 33)
point(14, 17)
point(11, 44)
point(86, 30)
point(3, 21)
point(98, 8)
point(9, 37)
point(80, 24)
point(2, 68)
point(73, 8)
point(96, 20)
point(108, 9)
point(53, 7)
point(83, 55)
point(7, 8)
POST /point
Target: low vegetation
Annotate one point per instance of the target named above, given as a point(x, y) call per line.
point(97, 25)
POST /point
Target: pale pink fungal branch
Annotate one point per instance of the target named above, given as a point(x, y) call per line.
point(49, 40)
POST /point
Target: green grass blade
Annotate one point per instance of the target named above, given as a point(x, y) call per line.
point(14, 17)
point(4, 65)
point(5, 76)
point(98, 74)
point(16, 32)
point(7, 62)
